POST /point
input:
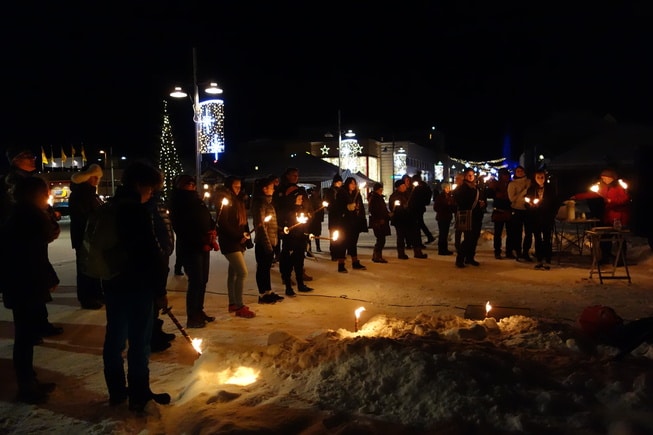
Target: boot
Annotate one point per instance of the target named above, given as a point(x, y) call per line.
point(401, 254)
point(377, 258)
point(356, 264)
point(417, 253)
point(341, 266)
point(317, 245)
point(460, 261)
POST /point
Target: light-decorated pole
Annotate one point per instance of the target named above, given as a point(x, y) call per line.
point(197, 114)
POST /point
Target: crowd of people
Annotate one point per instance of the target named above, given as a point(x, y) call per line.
point(286, 221)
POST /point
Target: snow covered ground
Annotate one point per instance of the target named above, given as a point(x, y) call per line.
point(415, 365)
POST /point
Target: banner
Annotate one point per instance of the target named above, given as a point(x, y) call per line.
point(44, 158)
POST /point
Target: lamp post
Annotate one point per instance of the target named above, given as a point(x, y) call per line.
point(197, 114)
point(113, 186)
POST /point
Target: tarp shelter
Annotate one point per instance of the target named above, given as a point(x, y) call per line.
point(311, 169)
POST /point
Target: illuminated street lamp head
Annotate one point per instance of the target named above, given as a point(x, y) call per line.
point(213, 89)
point(178, 93)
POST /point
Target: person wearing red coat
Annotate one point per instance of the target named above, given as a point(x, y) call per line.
point(615, 197)
point(616, 202)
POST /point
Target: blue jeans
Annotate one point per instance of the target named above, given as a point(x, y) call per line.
point(236, 274)
point(129, 319)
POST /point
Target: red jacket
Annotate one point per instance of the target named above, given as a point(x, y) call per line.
point(616, 200)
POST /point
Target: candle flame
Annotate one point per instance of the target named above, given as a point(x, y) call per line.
point(527, 199)
point(397, 203)
point(335, 236)
point(415, 183)
point(325, 204)
point(51, 200)
point(225, 201)
point(197, 345)
point(622, 183)
point(358, 311)
point(488, 307)
point(536, 200)
point(302, 218)
point(267, 218)
point(595, 188)
point(207, 195)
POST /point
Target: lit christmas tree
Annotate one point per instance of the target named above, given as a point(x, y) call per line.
point(168, 157)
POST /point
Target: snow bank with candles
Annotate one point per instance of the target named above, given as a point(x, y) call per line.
point(517, 374)
point(410, 363)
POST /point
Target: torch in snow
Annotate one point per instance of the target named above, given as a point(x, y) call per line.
point(195, 342)
point(224, 202)
point(357, 314)
point(301, 219)
point(488, 307)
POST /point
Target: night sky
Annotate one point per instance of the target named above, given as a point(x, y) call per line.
point(97, 76)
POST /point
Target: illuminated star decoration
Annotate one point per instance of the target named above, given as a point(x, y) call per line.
point(325, 150)
point(211, 122)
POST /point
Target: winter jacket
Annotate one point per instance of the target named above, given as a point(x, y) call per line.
point(26, 275)
point(379, 215)
point(82, 202)
point(616, 201)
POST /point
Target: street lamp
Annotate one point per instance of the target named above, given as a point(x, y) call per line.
point(113, 186)
point(197, 113)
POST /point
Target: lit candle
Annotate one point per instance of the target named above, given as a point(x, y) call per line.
point(357, 314)
point(595, 188)
point(488, 307)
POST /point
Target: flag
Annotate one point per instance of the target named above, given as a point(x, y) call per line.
point(44, 158)
point(83, 155)
point(72, 152)
point(63, 156)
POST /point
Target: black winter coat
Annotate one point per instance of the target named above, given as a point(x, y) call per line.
point(26, 275)
point(82, 202)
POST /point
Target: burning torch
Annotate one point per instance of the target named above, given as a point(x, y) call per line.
point(224, 202)
point(357, 315)
point(301, 219)
point(195, 342)
point(333, 237)
point(248, 235)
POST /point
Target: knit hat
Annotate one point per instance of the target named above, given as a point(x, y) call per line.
point(337, 178)
point(377, 186)
point(93, 170)
point(609, 173)
point(399, 183)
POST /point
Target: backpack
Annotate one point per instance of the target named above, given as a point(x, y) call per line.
point(103, 255)
point(599, 320)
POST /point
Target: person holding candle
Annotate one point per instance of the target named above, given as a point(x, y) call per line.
point(129, 295)
point(501, 213)
point(234, 239)
point(542, 206)
point(330, 198)
point(349, 212)
point(27, 278)
point(379, 221)
point(469, 197)
point(444, 206)
point(520, 235)
point(616, 205)
point(194, 227)
point(266, 238)
point(293, 215)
